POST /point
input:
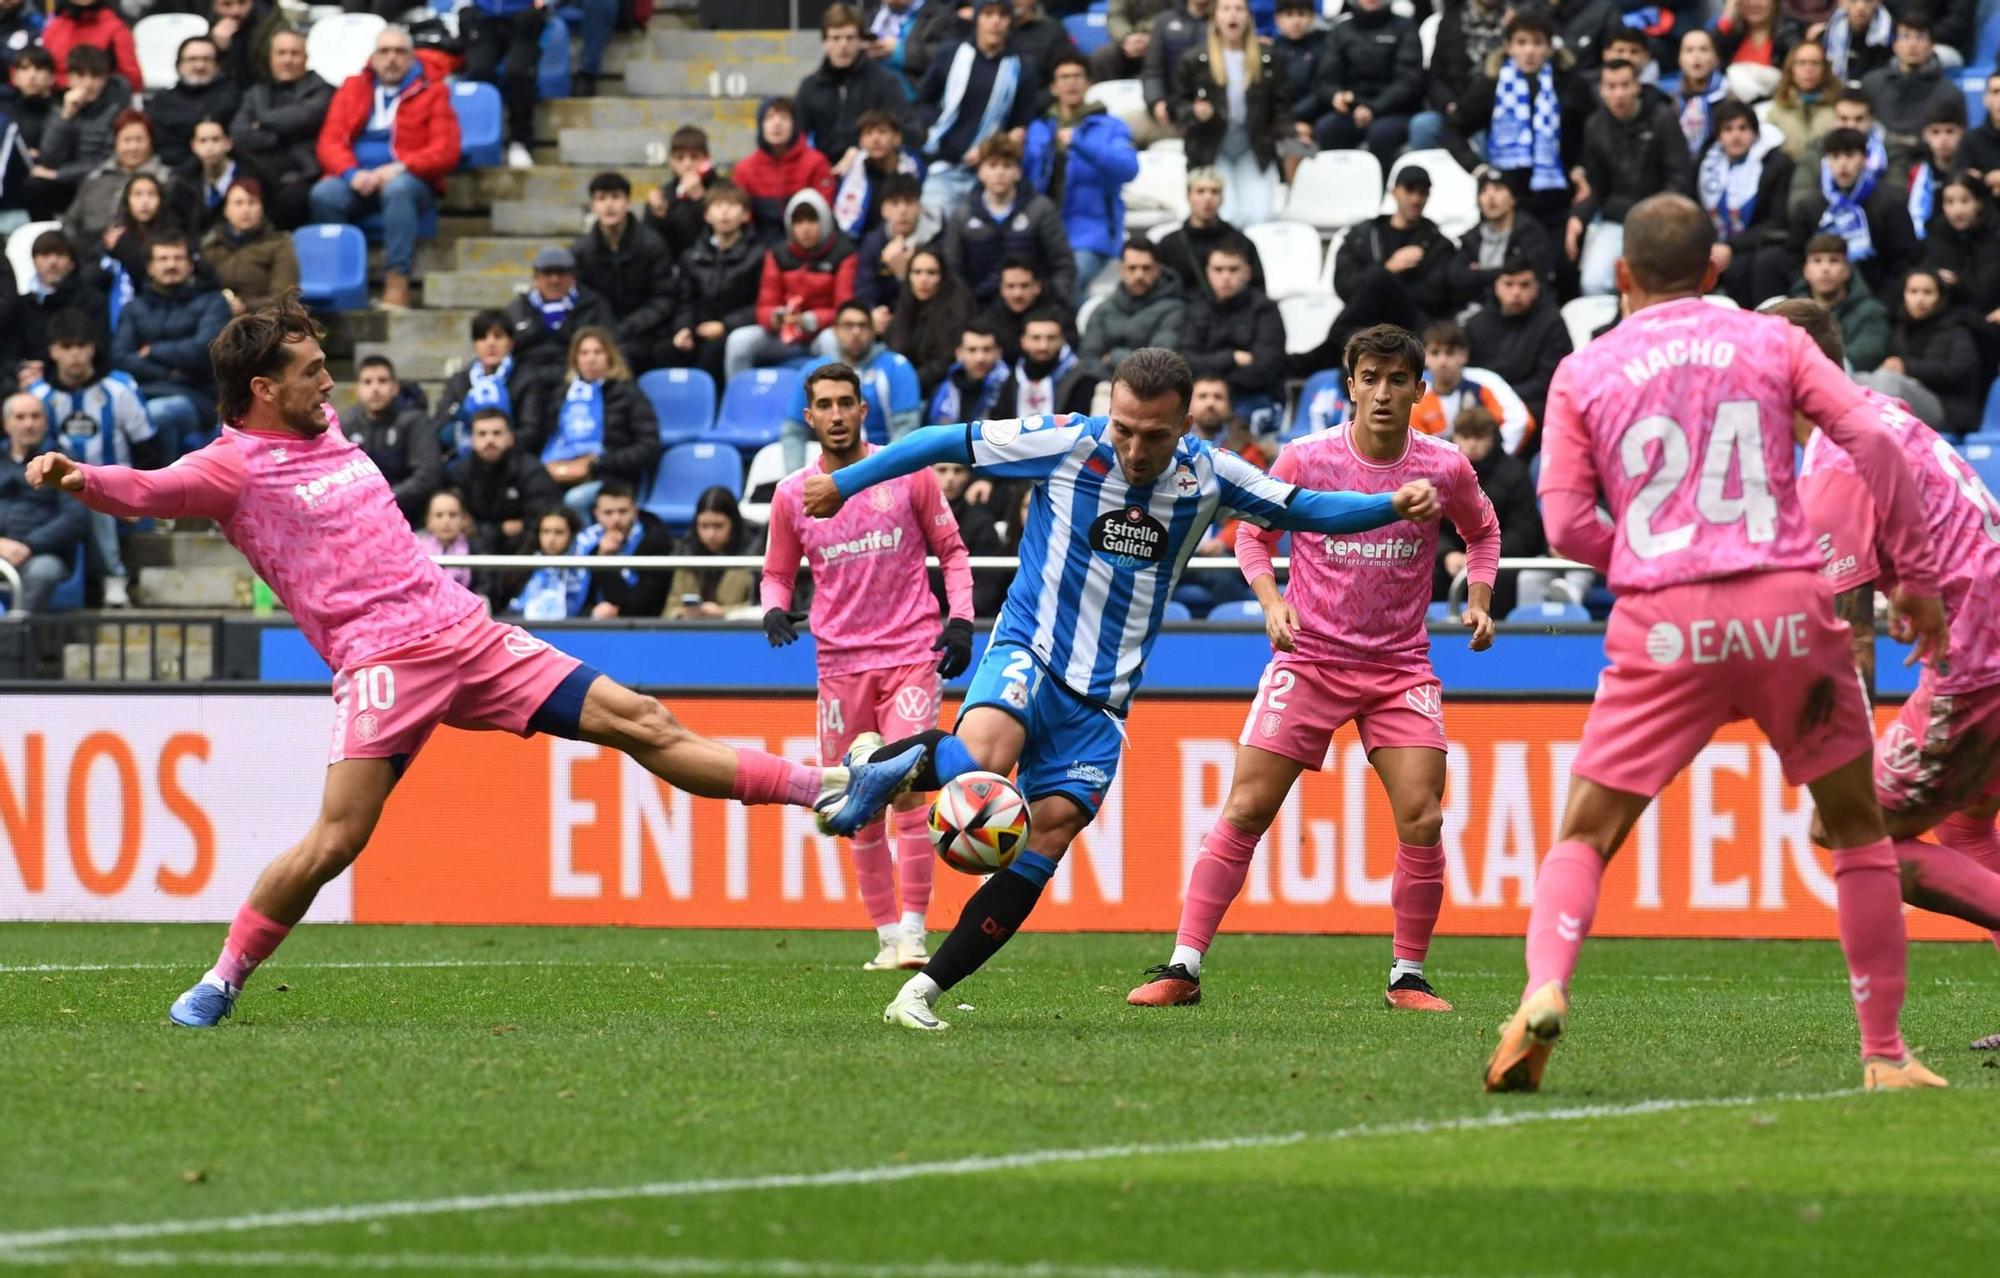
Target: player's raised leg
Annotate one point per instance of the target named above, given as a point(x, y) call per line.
point(1257, 789)
point(1413, 777)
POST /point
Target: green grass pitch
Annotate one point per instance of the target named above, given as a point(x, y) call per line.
point(558, 1102)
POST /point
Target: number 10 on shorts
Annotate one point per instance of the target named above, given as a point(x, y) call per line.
point(374, 688)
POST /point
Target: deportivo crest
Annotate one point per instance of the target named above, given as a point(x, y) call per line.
point(913, 703)
point(1184, 482)
point(1129, 538)
point(1427, 700)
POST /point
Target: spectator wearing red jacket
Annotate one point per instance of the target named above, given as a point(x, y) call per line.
point(389, 140)
point(805, 281)
point(781, 166)
point(90, 22)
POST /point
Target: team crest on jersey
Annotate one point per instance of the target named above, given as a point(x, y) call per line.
point(1129, 538)
point(913, 703)
point(1184, 481)
point(1901, 751)
point(1427, 700)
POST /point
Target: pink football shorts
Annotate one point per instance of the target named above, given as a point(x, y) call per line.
point(1300, 704)
point(479, 674)
point(1688, 659)
point(1938, 756)
point(896, 701)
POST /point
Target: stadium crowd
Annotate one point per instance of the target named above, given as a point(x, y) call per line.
point(945, 205)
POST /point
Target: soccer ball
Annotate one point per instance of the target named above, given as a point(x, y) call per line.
point(979, 823)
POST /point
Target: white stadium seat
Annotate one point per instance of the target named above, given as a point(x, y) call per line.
point(338, 47)
point(1723, 300)
point(1326, 267)
point(1290, 254)
point(20, 252)
point(1454, 202)
point(1427, 35)
point(1159, 192)
point(767, 467)
point(1307, 318)
point(1585, 316)
point(1335, 189)
point(1084, 312)
point(158, 39)
point(1120, 97)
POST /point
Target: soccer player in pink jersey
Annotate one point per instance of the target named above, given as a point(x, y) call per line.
point(875, 626)
point(1684, 416)
point(1935, 766)
point(411, 647)
point(1351, 645)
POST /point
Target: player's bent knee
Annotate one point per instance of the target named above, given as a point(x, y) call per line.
point(655, 727)
point(1423, 828)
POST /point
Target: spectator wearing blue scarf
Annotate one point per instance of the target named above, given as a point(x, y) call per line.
point(621, 528)
point(1532, 110)
point(552, 594)
point(491, 380)
point(978, 385)
point(594, 425)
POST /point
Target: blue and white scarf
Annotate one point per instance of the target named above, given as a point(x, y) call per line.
point(1845, 215)
point(1923, 197)
point(1840, 38)
point(590, 538)
point(580, 428)
point(486, 390)
point(1527, 128)
point(856, 197)
point(1728, 188)
point(552, 594)
point(947, 406)
point(1006, 83)
point(556, 313)
point(890, 25)
point(1037, 396)
point(1697, 110)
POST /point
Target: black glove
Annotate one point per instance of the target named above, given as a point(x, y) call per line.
point(781, 628)
point(956, 645)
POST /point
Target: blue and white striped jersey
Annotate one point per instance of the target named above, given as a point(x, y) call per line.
point(1100, 558)
point(98, 424)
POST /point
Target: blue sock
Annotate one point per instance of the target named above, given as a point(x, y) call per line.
point(950, 758)
point(1034, 867)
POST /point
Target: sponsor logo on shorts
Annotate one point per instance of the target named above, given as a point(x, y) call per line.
point(367, 727)
point(1090, 774)
point(520, 643)
point(1427, 700)
point(1270, 723)
point(1393, 550)
point(1129, 538)
point(913, 703)
point(1664, 643)
point(1001, 433)
point(1901, 751)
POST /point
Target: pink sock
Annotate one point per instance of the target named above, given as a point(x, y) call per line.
point(913, 859)
point(1970, 836)
point(1947, 881)
point(1416, 893)
point(1868, 890)
point(1218, 877)
point(1565, 904)
point(765, 778)
point(252, 938)
point(871, 868)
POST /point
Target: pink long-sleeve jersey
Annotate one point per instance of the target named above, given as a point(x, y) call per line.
point(872, 603)
point(1683, 415)
point(1964, 525)
point(1362, 596)
point(319, 524)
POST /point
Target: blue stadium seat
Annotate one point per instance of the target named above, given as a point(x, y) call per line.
point(1986, 49)
point(333, 266)
point(1324, 380)
point(1438, 611)
point(1176, 611)
point(1090, 31)
point(1983, 452)
point(552, 74)
point(481, 124)
point(1549, 611)
point(684, 401)
point(754, 407)
point(1989, 422)
point(1240, 610)
point(1974, 89)
point(686, 472)
point(68, 597)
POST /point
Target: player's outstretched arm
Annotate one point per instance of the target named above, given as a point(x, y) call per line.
point(203, 484)
point(825, 494)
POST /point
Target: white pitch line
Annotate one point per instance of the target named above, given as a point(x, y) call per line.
point(357, 1213)
point(666, 1267)
point(362, 965)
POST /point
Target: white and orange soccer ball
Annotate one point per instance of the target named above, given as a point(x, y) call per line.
point(979, 823)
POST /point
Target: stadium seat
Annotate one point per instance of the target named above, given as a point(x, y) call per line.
point(1335, 189)
point(1089, 31)
point(1326, 270)
point(1159, 192)
point(686, 472)
point(754, 407)
point(1120, 97)
point(1164, 229)
point(1308, 317)
point(333, 266)
point(1974, 89)
point(21, 252)
point(1176, 611)
point(1986, 50)
point(1585, 315)
point(1763, 110)
point(481, 124)
point(1427, 35)
point(1454, 202)
point(767, 468)
point(552, 73)
point(1989, 422)
point(1238, 610)
point(1165, 145)
point(1284, 248)
point(1983, 454)
point(1438, 611)
point(1325, 381)
point(684, 401)
point(1550, 611)
point(1723, 300)
point(68, 597)
point(158, 37)
point(338, 47)
point(1084, 312)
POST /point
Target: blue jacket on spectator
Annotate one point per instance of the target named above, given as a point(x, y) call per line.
point(177, 324)
point(1088, 180)
point(46, 520)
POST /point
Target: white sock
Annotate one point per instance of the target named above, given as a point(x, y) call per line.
point(923, 987)
point(888, 933)
point(1405, 967)
point(1188, 957)
point(913, 923)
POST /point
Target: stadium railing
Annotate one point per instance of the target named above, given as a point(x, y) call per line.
point(11, 580)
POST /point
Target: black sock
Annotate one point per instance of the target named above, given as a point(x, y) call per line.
point(925, 778)
point(993, 915)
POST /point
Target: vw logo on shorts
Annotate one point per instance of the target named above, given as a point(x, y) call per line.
point(1664, 643)
point(1901, 751)
point(1427, 700)
point(520, 643)
point(913, 703)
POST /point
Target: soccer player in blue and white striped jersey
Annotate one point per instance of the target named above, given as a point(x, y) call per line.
point(1119, 506)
